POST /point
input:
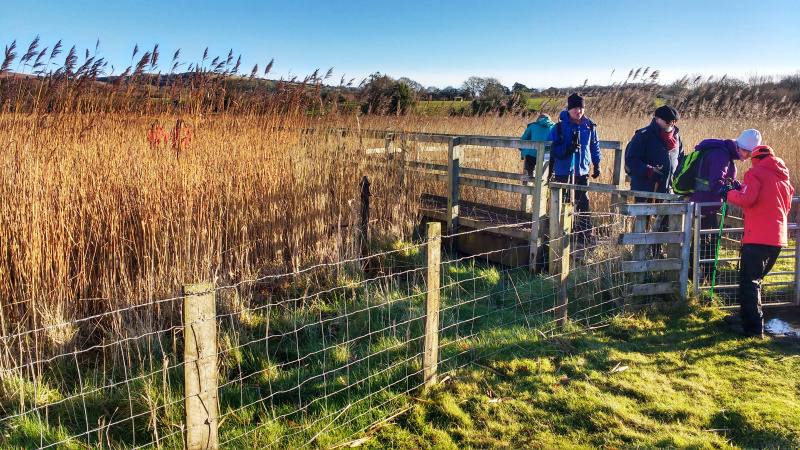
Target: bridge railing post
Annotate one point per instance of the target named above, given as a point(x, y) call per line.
point(454, 161)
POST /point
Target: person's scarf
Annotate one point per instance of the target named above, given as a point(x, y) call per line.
point(669, 138)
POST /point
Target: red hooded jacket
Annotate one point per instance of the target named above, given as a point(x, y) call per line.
point(765, 198)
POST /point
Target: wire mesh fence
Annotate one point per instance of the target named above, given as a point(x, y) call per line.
point(779, 286)
point(312, 358)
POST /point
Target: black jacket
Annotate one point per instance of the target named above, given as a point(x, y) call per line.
point(647, 148)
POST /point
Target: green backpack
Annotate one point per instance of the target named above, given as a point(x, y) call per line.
point(686, 180)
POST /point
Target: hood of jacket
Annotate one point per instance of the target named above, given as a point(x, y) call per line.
point(727, 144)
point(775, 165)
point(545, 123)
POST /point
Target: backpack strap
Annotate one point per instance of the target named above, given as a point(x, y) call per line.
point(593, 131)
point(560, 132)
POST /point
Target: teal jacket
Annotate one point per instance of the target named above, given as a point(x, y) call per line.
point(536, 131)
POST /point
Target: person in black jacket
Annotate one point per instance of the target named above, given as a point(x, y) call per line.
point(651, 159)
point(653, 153)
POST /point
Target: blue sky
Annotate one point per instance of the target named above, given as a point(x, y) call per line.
point(437, 43)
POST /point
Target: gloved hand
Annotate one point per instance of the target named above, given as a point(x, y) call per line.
point(723, 192)
point(596, 172)
point(572, 148)
point(736, 185)
point(651, 172)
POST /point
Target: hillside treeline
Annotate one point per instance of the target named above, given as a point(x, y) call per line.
point(52, 79)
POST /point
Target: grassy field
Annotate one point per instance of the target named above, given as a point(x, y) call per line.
point(668, 377)
point(292, 374)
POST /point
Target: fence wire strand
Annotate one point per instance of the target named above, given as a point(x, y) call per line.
point(330, 350)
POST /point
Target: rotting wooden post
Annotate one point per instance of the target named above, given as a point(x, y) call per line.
point(454, 158)
point(430, 354)
point(538, 208)
point(686, 249)
point(560, 229)
point(200, 366)
point(365, 195)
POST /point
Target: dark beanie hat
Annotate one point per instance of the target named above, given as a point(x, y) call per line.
point(666, 113)
point(575, 101)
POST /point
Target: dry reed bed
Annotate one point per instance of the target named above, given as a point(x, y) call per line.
point(92, 219)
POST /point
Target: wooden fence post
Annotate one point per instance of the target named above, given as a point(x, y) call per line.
point(618, 177)
point(696, 253)
point(688, 219)
point(364, 241)
point(560, 229)
point(454, 157)
point(797, 262)
point(200, 366)
point(539, 206)
point(430, 355)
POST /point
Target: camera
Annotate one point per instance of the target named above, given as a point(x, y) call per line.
point(575, 142)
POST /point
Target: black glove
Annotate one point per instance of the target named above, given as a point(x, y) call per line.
point(723, 192)
point(572, 148)
point(596, 172)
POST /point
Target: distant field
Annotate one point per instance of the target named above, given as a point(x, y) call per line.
point(440, 107)
point(444, 107)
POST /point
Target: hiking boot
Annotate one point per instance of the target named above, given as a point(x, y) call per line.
point(733, 319)
point(739, 330)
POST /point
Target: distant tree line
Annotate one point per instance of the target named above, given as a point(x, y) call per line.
point(39, 81)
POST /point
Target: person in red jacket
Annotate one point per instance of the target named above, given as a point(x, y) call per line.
point(765, 196)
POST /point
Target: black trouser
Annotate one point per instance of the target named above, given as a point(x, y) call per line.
point(530, 164)
point(757, 261)
point(582, 224)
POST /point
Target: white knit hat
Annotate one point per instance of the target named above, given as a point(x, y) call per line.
point(749, 139)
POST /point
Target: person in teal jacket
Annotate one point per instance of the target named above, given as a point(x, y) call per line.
point(536, 131)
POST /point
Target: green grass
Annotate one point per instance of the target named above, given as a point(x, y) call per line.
point(442, 107)
point(689, 383)
point(344, 356)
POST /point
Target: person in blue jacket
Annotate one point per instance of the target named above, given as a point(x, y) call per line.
point(536, 131)
point(575, 147)
point(653, 153)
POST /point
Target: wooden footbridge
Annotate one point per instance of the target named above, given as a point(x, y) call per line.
point(532, 234)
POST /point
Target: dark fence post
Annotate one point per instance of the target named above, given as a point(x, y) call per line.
point(454, 158)
point(364, 239)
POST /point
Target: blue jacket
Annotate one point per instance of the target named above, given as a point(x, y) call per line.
point(590, 146)
point(638, 157)
point(536, 131)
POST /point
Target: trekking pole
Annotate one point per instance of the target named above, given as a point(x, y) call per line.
point(719, 241)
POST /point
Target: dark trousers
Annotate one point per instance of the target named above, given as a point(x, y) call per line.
point(530, 164)
point(757, 261)
point(582, 224)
